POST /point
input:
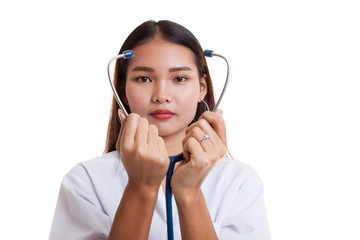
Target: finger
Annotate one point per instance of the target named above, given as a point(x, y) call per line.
point(200, 123)
point(207, 129)
point(122, 118)
point(186, 154)
point(153, 134)
point(217, 123)
point(218, 145)
point(161, 148)
point(192, 147)
point(141, 135)
point(201, 137)
point(194, 131)
point(155, 142)
point(206, 143)
point(121, 115)
point(130, 127)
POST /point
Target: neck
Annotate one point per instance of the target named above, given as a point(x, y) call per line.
point(173, 143)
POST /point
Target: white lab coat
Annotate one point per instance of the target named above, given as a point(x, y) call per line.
point(91, 192)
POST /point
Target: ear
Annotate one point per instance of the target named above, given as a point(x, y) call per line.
point(203, 88)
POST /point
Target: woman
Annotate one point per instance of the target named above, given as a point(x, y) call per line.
point(121, 194)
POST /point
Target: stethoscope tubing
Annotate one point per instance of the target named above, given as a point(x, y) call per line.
point(168, 194)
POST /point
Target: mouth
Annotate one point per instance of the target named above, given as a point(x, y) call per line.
point(162, 114)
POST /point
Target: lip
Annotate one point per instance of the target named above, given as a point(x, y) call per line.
point(162, 114)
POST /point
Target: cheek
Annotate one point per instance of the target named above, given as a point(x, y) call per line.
point(188, 101)
point(137, 99)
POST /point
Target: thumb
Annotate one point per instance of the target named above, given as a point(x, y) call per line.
point(121, 115)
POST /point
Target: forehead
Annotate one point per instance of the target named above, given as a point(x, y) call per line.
point(159, 53)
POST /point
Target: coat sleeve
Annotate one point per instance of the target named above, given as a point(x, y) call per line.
point(79, 214)
point(246, 218)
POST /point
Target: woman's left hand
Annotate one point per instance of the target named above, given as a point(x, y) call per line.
point(200, 152)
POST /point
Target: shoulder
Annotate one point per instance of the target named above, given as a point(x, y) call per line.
point(234, 169)
point(234, 175)
point(230, 164)
point(95, 180)
point(90, 171)
point(235, 201)
point(106, 163)
point(83, 208)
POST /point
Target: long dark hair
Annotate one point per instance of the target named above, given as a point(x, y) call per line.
point(168, 31)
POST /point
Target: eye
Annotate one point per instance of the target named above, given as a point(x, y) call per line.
point(143, 79)
point(180, 79)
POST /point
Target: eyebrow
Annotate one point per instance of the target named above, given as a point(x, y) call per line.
point(142, 69)
point(148, 69)
point(177, 69)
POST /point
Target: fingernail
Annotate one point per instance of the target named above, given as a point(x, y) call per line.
point(121, 115)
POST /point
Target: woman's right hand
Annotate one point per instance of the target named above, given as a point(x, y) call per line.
point(142, 152)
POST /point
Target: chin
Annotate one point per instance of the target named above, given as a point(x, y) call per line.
point(169, 130)
point(166, 132)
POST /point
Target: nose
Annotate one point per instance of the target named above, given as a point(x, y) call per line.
point(162, 92)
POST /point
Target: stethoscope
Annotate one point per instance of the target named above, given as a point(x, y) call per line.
point(173, 159)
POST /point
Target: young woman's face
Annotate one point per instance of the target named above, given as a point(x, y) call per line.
point(163, 85)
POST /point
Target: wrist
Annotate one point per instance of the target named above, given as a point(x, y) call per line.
point(188, 196)
point(142, 191)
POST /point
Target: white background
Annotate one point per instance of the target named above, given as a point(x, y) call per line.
point(292, 108)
